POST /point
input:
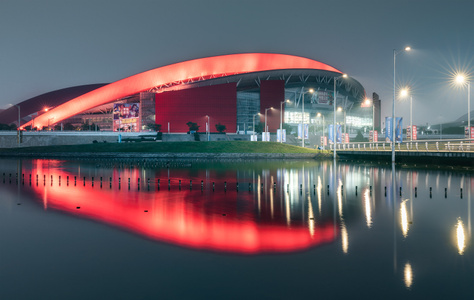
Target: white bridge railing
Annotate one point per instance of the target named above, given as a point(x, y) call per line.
point(448, 145)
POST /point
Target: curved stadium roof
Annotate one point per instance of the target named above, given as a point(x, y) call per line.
point(192, 71)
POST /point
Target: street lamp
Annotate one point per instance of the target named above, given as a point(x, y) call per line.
point(253, 129)
point(302, 115)
point(281, 119)
point(344, 111)
point(334, 120)
point(461, 79)
point(322, 130)
point(395, 53)
point(266, 109)
point(367, 103)
point(405, 93)
point(208, 129)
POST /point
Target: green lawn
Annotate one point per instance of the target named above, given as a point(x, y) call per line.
point(171, 147)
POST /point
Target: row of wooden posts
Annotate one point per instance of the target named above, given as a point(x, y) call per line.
point(202, 185)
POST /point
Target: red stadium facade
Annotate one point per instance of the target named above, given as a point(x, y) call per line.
point(219, 102)
point(229, 89)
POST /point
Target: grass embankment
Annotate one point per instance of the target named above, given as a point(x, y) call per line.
point(169, 147)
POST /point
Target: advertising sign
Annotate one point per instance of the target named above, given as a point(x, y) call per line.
point(398, 129)
point(388, 129)
point(414, 133)
point(323, 97)
point(306, 130)
point(466, 133)
point(375, 136)
point(346, 138)
point(126, 117)
point(331, 133)
point(281, 136)
point(324, 141)
point(411, 133)
point(338, 133)
point(372, 134)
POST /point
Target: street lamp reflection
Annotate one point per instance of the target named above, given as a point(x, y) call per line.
point(404, 218)
point(460, 237)
point(408, 275)
point(368, 211)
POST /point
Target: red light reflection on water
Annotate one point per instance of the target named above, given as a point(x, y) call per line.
point(185, 218)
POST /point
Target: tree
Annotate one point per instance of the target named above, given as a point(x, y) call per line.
point(287, 127)
point(360, 138)
point(69, 127)
point(85, 126)
point(220, 128)
point(155, 127)
point(6, 127)
point(258, 128)
point(193, 126)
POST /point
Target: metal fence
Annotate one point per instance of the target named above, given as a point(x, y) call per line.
point(447, 145)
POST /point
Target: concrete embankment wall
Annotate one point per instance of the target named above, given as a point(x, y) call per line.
point(184, 156)
point(9, 139)
point(46, 138)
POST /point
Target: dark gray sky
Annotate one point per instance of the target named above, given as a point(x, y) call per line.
point(53, 44)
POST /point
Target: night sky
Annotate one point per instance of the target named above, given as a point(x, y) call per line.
point(48, 45)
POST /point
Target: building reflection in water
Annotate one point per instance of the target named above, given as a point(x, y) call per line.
point(276, 210)
point(233, 221)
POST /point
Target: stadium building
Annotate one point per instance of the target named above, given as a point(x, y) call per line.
point(231, 90)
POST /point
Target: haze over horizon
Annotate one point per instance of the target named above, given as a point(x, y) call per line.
point(52, 44)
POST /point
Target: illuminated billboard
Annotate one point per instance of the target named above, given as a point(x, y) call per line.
point(127, 117)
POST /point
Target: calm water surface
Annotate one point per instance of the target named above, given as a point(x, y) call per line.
point(253, 230)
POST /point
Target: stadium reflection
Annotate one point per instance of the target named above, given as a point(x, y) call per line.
point(393, 218)
point(198, 216)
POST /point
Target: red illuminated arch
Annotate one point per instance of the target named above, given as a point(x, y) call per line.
point(216, 66)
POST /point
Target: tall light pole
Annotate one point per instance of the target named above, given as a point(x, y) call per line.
point(395, 53)
point(322, 116)
point(266, 109)
point(404, 93)
point(367, 103)
point(344, 114)
point(334, 120)
point(302, 115)
point(461, 79)
point(208, 128)
point(253, 129)
point(281, 119)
